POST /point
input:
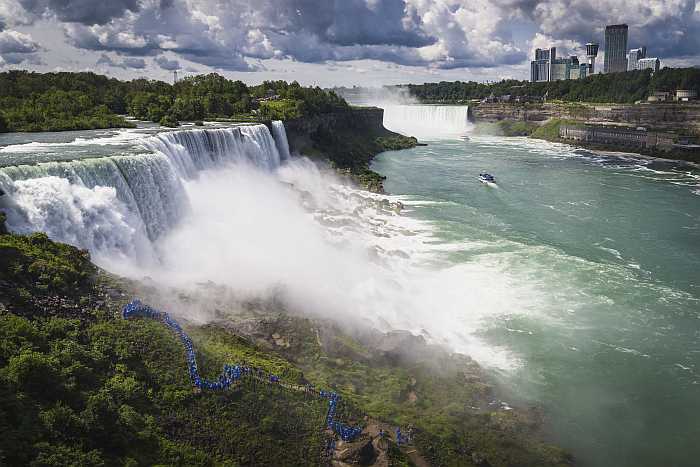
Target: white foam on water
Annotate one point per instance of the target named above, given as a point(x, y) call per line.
point(94, 219)
point(112, 138)
point(249, 231)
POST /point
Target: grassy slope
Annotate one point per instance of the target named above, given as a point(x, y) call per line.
point(434, 393)
point(79, 386)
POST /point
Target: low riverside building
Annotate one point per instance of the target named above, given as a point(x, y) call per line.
point(659, 96)
point(651, 63)
point(618, 136)
point(685, 95)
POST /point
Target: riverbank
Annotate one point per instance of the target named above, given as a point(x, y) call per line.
point(612, 139)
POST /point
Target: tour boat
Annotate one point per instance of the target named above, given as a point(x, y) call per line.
point(487, 178)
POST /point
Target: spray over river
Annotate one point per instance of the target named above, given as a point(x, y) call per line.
point(574, 280)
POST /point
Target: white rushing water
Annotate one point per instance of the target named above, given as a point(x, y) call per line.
point(230, 206)
point(428, 121)
point(280, 135)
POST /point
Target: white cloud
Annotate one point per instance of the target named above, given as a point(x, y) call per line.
point(433, 36)
point(17, 47)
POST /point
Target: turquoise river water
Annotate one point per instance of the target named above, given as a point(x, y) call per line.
point(608, 341)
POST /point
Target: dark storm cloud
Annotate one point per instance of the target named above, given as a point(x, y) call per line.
point(386, 24)
point(81, 11)
point(127, 63)
point(347, 22)
point(165, 64)
point(136, 63)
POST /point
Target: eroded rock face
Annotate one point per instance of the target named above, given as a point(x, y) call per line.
point(361, 452)
point(3, 218)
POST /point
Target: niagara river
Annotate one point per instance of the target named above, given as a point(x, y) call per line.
point(585, 273)
point(572, 280)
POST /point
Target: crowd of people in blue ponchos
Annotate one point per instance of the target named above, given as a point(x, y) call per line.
point(232, 374)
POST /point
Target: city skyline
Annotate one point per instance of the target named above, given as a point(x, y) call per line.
point(618, 58)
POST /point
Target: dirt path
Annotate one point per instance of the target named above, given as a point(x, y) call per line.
point(413, 455)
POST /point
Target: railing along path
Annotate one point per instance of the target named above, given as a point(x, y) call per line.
point(232, 374)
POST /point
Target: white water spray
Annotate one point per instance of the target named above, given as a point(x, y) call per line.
point(216, 205)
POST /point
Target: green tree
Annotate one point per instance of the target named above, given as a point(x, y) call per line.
point(36, 374)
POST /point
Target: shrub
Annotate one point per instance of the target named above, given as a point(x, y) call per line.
point(169, 121)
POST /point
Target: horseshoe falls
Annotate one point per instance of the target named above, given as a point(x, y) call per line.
point(428, 121)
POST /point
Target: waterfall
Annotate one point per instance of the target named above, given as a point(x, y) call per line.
point(428, 121)
point(191, 151)
point(115, 205)
point(280, 135)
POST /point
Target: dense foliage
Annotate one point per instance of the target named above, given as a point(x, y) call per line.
point(79, 386)
point(70, 101)
point(616, 87)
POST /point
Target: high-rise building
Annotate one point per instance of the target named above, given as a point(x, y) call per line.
point(540, 67)
point(539, 71)
point(615, 48)
point(650, 63)
point(562, 68)
point(634, 57)
point(591, 54)
point(546, 54)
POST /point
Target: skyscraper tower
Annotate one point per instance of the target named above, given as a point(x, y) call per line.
point(634, 57)
point(591, 53)
point(541, 66)
point(174, 76)
point(615, 48)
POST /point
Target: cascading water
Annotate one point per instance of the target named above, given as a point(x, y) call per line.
point(192, 151)
point(428, 121)
point(116, 205)
point(204, 205)
point(280, 135)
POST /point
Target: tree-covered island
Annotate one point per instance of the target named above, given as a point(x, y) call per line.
point(79, 101)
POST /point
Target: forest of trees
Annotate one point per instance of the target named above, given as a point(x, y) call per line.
point(70, 101)
point(626, 87)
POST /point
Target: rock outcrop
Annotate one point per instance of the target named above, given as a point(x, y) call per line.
point(659, 116)
point(348, 140)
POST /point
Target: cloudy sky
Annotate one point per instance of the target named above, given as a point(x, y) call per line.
point(329, 42)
